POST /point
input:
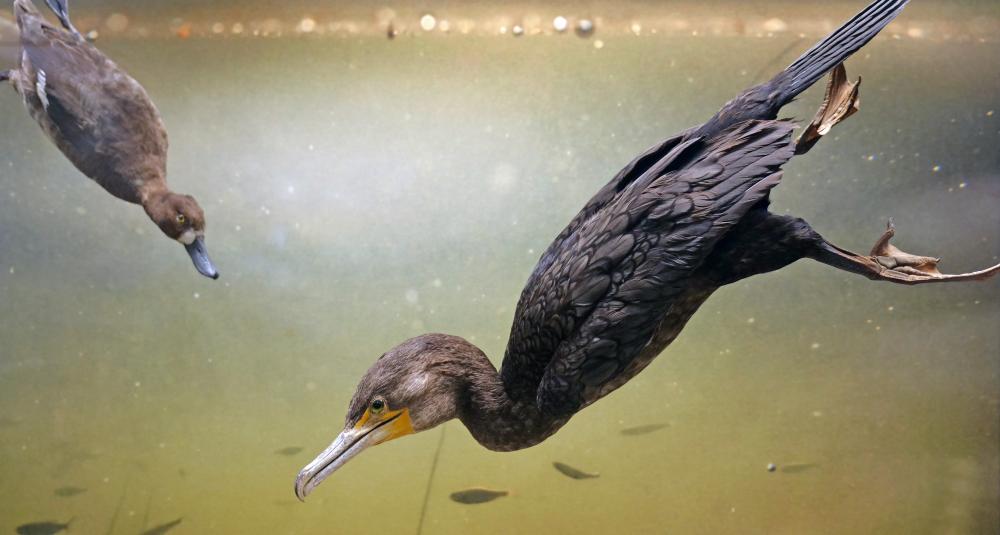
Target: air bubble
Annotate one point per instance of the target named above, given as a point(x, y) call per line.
point(306, 25)
point(428, 22)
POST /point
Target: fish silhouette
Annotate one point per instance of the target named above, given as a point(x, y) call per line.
point(643, 429)
point(574, 473)
point(477, 495)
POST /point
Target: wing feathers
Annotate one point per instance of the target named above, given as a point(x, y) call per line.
point(599, 292)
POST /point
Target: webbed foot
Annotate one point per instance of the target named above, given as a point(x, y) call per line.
point(841, 101)
point(887, 262)
point(4, 76)
point(61, 9)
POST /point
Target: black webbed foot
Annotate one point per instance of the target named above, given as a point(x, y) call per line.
point(4, 76)
point(887, 262)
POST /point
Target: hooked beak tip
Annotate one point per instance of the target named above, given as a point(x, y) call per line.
point(300, 489)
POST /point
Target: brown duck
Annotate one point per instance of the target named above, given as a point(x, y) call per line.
point(103, 121)
point(619, 283)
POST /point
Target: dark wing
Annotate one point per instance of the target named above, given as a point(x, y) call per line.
point(636, 168)
point(528, 351)
point(611, 280)
point(99, 116)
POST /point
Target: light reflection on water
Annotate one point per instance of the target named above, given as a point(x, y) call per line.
point(359, 192)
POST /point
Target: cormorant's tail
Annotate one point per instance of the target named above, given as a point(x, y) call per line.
point(836, 48)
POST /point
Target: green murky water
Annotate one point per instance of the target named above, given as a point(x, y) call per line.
point(360, 191)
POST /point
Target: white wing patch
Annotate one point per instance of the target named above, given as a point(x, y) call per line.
point(40, 89)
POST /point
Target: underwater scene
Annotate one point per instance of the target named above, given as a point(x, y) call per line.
point(370, 172)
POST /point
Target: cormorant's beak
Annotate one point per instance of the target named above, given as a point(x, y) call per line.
point(199, 255)
point(369, 431)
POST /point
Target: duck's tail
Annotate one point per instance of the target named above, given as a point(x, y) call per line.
point(836, 48)
point(25, 10)
point(24, 7)
point(26, 15)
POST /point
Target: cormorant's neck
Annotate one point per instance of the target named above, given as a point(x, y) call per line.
point(495, 420)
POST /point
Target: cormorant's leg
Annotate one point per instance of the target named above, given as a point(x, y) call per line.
point(888, 263)
point(762, 242)
point(765, 242)
point(4, 76)
point(61, 9)
point(841, 101)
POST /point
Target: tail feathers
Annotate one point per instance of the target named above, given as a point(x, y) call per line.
point(25, 13)
point(836, 48)
point(24, 7)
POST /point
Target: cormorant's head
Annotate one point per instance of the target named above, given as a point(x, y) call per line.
point(413, 387)
point(181, 219)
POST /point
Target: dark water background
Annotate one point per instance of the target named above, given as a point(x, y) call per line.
point(360, 191)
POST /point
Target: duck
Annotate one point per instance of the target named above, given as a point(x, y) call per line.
point(619, 283)
point(103, 121)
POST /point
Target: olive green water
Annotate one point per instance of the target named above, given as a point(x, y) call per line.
point(360, 191)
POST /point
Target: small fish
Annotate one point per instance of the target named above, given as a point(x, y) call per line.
point(163, 528)
point(574, 473)
point(289, 451)
point(643, 429)
point(42, 528)
point(68, 492)
point(797, 468)
point(477, 495)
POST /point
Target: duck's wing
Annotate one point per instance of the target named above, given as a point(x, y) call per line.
point(590, 311)
point(100, 117)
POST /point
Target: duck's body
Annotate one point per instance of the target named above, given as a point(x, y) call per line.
point(620, 282)
point(103, 121)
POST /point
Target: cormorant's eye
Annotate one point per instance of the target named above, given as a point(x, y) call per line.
point(378, 405)
point(181, 219)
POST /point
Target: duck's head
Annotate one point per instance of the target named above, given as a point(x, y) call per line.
point(181, 219)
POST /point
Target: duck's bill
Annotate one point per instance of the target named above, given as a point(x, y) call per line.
point(199, 255)
point(348, 444)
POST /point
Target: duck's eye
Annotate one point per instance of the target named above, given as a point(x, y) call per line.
point(181, 219)
point(378, 405)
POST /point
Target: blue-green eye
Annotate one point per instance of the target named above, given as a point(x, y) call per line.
point(378, 405)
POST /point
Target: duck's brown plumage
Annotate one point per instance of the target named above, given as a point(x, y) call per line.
point(103, 121)
point(98, 115)
point(623, 278)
